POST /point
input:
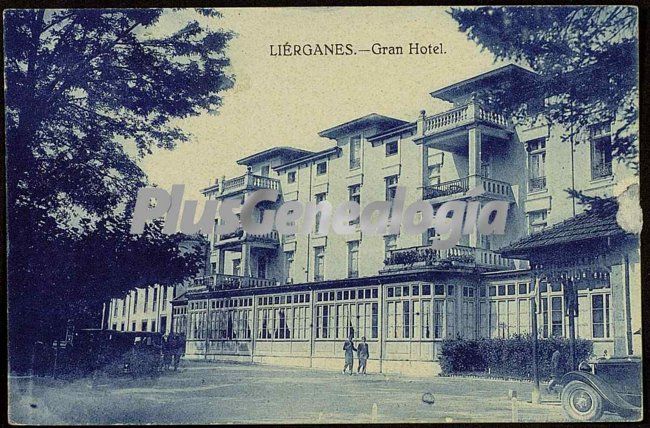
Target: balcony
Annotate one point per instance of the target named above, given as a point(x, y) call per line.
point(246, 182)
point(463, 115)
point(456, 189)
point(459, 256)
point(239, 236)
point(536, 184)
point(601, 170)
point(229, 282)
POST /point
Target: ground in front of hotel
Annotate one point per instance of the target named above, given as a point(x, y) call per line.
point(204, 393)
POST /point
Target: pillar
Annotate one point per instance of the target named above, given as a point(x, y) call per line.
point(474, 156)
point(617, 311)
point(221, 262)
point(245, 259)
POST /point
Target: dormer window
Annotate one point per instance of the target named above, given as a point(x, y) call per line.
point(321, 168)
point(391, 148)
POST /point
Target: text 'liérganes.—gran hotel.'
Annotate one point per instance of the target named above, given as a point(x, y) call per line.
point(346, 49)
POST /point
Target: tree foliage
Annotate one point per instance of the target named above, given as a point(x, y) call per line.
point(587, 58)
point(88, 93)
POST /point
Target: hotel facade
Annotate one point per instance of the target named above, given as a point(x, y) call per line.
point(293, 299)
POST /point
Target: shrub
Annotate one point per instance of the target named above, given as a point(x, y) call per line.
point(512, 357)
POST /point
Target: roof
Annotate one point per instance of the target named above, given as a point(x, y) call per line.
point(383, 122)
point(288, 153)
point(309, 158)
point(513, 73)
point(598, 222)
point(393, 131)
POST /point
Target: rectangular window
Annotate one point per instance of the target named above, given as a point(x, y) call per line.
point(135, 302)
point(146, 299)
point(353, 259)
point(469, 318)
point(601, 151)
point(391, 148)
point(600, 313)
point(288, 265)
point(406, 318)
point(438, 318)
point(291, 177)
point(426, 319)
point(319, 197)
point(545, 329)
point(537, 220)
point(355, 152)
point(264, 171)
point(434, 175)
point(375, 321)
point(390, 244)
point(391, 187)
point(557, 316)
point(155, 299)
point(319, 263)
point(536, 165)
point(144, 326)
point(354, 195)
point(321, 168)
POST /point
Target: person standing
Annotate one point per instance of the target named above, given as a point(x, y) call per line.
point(167, 352)
point(349, 349)
point(180, 350)
point(556, 372)
point(363, 354)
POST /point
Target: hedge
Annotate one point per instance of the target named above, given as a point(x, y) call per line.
point(511, 357)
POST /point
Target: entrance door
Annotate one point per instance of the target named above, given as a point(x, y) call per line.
point(163, 325)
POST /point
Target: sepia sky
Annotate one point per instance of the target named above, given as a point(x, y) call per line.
point(286, 101)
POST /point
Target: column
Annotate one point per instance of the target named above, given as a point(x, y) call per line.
point(221, 262)
point(474, 156)
point(245, 259)
point(424, 166)
point(474, 160)
point(617, 311)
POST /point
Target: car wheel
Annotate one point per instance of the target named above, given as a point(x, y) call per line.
point(581, 402)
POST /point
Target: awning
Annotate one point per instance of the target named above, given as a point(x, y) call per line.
point(595, 223)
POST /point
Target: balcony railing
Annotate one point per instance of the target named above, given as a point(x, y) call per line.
point(249, 181)
point(462, 115)
point(536, 184)
point(240, 235)
point(459, 255)
point(230, 282)
point(601, 170)
point(460, 186)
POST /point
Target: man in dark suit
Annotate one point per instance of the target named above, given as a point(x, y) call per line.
point(363, 354)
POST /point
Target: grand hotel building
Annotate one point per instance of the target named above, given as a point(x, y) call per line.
point(293, 299)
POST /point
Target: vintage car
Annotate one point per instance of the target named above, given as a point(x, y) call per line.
point(605, 384)
point(122, 352)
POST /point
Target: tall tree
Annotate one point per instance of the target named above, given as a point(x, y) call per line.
point(81, 87)
point(587, 58)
